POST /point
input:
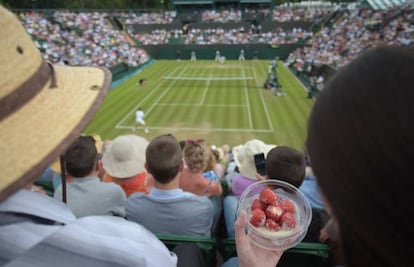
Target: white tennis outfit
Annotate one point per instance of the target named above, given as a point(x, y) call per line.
point(139, 117)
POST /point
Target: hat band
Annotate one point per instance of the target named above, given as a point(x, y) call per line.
point(25, 92)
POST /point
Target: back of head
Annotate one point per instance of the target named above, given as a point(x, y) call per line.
point(195, 156)
point(163, 157)
point(360, 141)
point(286, 164)
point(81, 157)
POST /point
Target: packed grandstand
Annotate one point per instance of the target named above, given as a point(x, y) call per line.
point(328, 36)
point(318, 39)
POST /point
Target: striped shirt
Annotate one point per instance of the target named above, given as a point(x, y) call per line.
point(36, 230)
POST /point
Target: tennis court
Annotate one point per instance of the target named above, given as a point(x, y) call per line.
point(224, 103)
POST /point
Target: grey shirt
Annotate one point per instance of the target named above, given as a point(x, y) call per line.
point(171, 212)
point(89, 196)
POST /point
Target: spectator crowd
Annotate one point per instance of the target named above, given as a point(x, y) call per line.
point(116, 195)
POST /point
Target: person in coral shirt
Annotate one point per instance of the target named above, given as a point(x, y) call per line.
point(123, 161)
point(192, 178)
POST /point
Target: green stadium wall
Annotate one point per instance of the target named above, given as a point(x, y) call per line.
point(208, 52)
point(122, 72)
point(266, 26)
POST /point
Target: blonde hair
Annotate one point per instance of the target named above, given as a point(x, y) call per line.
point(195, 156)
point(211, 160)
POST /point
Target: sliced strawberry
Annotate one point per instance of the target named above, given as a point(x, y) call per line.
point(267, 196)
point(256, 204)
point(287, 221)
point(272, 225)
point(274, 212)
point(288, 205)
point(258, 218)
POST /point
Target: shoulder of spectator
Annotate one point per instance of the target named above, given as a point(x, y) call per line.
point(136, 195)
point(215, 188)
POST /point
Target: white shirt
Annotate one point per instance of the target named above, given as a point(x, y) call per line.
point(139, 115)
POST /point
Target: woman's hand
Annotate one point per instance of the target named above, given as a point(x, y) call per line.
point(249, 254)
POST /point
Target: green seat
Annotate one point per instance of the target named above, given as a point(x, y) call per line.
point(306, 254)
point(225, 187)
point(47, 187)
point(303, 254)
point(207, 245)
point(227, 248)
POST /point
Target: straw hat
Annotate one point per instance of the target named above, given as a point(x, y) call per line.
point(244, 156)
point(125, 156)
point(43, 108)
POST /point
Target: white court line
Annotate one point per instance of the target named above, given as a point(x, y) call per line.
point(204, 105)
point(165, 92)
point(248, 101)
point(207, 78)
point(255, 78)
point(118, 125)
point(205, 91)
point(227, 67)
point(269, 121)
point(205, 129)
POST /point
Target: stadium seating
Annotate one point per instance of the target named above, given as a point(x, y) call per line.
point(305, 254)
point(207, 245)
point(302, 255)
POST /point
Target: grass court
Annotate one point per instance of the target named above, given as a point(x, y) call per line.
point(222, 103)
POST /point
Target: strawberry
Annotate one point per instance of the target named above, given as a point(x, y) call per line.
point(267, 196)
point(256, 204)
point(274, 212)
point(288, 206)
point(272, 225)
point(258, 218)
point(287, 221)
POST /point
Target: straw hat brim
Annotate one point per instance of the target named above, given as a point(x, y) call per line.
point(247, 167)
point(48, 123)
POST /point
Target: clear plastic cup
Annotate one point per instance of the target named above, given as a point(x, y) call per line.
point(282, 239)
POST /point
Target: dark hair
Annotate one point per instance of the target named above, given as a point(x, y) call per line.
point(163, 156)
point(360, 141)
point(182, 144)
point(286, 164)
point(81, 157)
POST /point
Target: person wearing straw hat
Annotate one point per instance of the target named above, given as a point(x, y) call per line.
point(244, 159)
point(123, 162)
point(37, 230)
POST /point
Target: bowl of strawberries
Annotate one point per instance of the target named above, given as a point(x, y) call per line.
point(278, 214)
